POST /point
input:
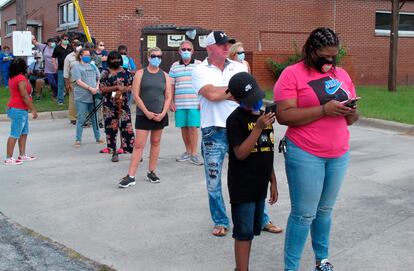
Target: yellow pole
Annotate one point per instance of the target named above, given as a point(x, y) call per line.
point(82, 20)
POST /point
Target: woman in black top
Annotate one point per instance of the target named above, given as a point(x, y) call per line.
point(115, 83)
point(152, 93)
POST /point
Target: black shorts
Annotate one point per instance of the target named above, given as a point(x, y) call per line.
point(247, 219)
point(143, 123)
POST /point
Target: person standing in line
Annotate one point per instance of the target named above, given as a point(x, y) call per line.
point(102, 56)
point(251, 150)
point(210, 81)
point(20, 103)
point(237, 53)
point(311, 96)
point(115, 83)
point(128, 64)
point(185, 102)
point(6, 58)
point(86, 77)
point(69, 63)
point(152, 93)
point(59, 54)
point(49, 68)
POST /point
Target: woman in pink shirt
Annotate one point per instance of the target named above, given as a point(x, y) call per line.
point(311, 96)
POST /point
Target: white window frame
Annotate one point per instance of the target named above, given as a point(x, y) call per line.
point(69, 24)
point(401, 33)
point(8, 28)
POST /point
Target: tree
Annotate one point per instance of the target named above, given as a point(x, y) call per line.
point(392, 68)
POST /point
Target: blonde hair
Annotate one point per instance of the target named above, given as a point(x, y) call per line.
point(186, 42)
point(233, 50)
point(153, 49)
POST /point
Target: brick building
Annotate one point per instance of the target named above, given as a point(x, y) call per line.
point(267, 28)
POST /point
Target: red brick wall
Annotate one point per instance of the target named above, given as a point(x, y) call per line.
point(269, 26)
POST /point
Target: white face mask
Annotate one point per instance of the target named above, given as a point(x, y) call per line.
point(78, 48)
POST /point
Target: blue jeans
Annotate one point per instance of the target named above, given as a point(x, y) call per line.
point(247, 219)
point(19, 122)
point(314, 184)
point(52, 79)
point(61, 87)
point(214, 146)
point(83, 110)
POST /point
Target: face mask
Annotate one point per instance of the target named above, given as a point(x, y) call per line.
point(101, 47)
point(33, 46)
point(186, 55)
point(125, 62)
point(65, 42)
point(324, 65)
point(77, 49)
point(52, 45)
point(114, 65)
point(241, 57)
point(86, 59)
point(155, 62)
point(256, 107)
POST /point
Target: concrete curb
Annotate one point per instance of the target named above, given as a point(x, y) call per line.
point(368, 122)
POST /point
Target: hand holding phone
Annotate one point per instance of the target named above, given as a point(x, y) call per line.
point(351, 102)
point(271, 108)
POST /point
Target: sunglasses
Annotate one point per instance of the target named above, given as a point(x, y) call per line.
point(186, 49)
point(239, 53)
point(154, 56)
point(101, 45)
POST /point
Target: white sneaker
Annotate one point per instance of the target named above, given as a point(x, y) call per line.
point(12, 162)
point(26, 158)
point(183, 157)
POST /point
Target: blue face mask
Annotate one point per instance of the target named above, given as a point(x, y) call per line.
point(256, 107)
point(86, 59)
point(186, 55)
point(155, 62)
point(241, 57)
point(125, 62)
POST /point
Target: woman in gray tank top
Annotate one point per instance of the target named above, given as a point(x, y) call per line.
point(151, 90)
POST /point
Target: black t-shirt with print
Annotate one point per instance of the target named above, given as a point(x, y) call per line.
point(248, 179)
point(60, 53)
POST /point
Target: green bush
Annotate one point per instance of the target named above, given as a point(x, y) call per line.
point(278, 67)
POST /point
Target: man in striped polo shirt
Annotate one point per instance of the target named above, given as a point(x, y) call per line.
point(185, 103)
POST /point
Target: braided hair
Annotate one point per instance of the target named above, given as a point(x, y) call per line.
point(318, 38)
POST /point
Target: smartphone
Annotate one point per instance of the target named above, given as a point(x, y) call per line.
point(271, 108)
point(351, 102)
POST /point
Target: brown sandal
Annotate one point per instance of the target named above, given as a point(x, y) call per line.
point(272, 228)
point(219, 231)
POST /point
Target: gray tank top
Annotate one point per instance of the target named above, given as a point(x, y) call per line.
point(152, 91)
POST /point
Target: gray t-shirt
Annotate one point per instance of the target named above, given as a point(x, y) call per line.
point(89, 74)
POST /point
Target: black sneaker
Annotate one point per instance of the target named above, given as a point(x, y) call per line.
point(152, 178)
point(115, 158)
point(325, 265)
point(101, 125)
point(126, 182)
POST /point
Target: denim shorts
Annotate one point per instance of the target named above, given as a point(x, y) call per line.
point(247, 219)
point(187, 118)
point(19, 122)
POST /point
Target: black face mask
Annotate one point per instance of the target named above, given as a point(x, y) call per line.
point(324, 65)
point(115, 64)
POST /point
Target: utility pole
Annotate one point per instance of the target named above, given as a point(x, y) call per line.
point(21, 18)
point(395, 21)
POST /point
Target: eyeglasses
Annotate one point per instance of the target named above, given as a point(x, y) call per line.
point(186, 49)
point(239, 53)
point(154, 56)
point(101, 45)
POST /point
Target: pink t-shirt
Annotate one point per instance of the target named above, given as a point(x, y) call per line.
point(327, 137)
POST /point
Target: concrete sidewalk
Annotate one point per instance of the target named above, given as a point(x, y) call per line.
point(71, 196)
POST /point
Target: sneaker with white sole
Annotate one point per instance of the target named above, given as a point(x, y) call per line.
point(126, 182)
point(12, 162)
point(152, 178)
point(196, 160)
point(183, 157)
point(26, 158)
point(325, 265)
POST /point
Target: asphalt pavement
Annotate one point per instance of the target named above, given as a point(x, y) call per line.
point(70, 196)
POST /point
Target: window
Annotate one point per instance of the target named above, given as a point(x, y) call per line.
point(383, 24)
point(68, 17)
point(9, 28)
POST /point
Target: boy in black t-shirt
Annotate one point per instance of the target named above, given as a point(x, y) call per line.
point(251, 143)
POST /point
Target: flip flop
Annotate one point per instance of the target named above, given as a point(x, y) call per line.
point(270, 227)
point(219, 231)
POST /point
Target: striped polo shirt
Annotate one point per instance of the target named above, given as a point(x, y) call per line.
point(185, 96)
